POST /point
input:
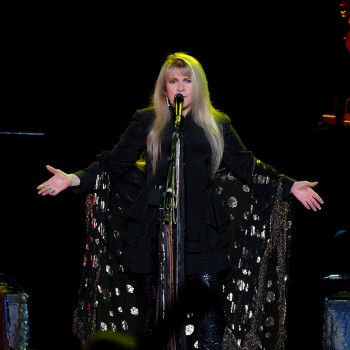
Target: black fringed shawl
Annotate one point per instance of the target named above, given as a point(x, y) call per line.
point(255, 296)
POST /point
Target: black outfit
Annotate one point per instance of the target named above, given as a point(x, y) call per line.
point(208, 230)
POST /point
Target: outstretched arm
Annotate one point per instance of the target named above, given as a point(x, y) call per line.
point(302, 190)
point(58, 182)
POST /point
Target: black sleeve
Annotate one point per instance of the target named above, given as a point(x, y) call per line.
point(243, 163)
point(122, 157)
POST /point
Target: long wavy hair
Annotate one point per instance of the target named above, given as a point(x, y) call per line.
point(202, 110)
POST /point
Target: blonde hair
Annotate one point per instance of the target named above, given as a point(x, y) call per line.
point(204, 113)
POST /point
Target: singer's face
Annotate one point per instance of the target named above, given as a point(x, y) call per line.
point(179, 83)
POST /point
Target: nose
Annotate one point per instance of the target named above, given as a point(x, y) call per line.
point(180, 87)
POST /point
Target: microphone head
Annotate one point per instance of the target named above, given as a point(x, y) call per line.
point(178, 98)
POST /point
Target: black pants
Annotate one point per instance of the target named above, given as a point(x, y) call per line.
point(201, 305)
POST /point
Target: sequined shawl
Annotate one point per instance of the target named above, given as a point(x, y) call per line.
point(255, 296)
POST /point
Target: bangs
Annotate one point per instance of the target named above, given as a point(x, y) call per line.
point(181, 66)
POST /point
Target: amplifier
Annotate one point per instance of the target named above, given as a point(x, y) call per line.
point(14, 319)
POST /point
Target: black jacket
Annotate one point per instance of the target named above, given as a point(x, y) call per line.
point(205, 219)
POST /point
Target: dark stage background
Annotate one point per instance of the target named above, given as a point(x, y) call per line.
point(77, 76)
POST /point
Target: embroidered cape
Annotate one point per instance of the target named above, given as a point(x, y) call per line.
point(255, 296)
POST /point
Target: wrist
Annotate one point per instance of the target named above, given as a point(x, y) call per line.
point(74, 180)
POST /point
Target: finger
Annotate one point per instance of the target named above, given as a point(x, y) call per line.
point(46, 189)
point(51, 169)
point(318, 204)
point(315, 205)
point(311, 206)
point(43, 192)
point(43, 185)
point(319, 199)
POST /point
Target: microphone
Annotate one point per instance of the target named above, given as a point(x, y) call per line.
point(179, 100)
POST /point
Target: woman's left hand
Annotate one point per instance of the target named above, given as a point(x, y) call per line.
point(302, 190)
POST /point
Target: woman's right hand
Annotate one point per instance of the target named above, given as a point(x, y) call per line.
point(58, 182)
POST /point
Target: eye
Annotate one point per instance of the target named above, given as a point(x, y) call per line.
point(188, 80)
point(172, 81)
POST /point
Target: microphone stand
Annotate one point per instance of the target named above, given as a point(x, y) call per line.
point(171, 242)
